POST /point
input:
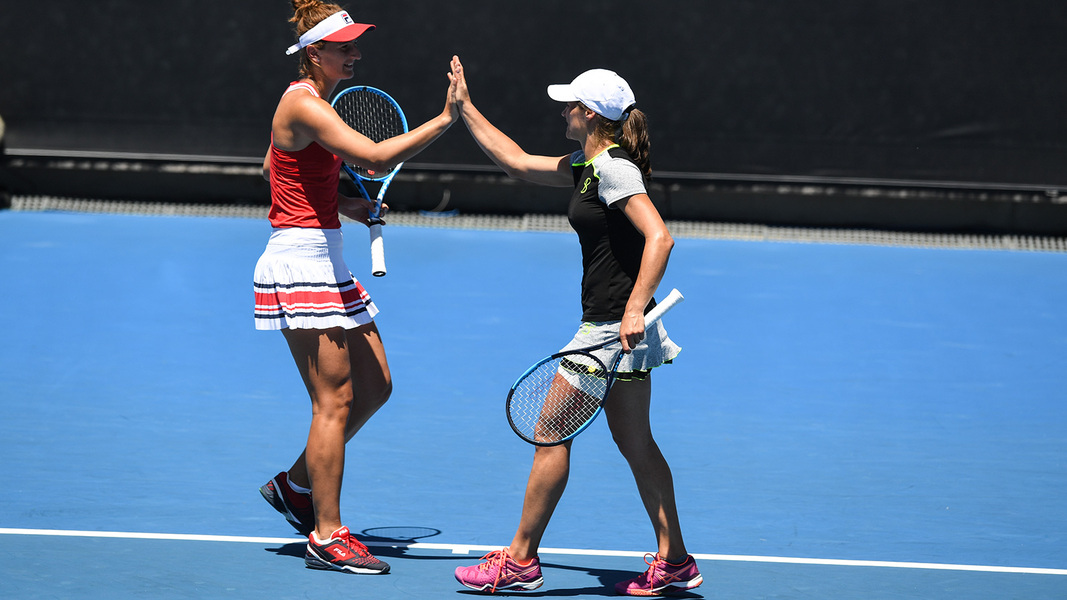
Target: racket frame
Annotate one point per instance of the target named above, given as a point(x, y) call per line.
point(374, 220)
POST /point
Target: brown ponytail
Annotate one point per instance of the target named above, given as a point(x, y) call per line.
point(631, 135)
point(307, 14)
point(635, 141)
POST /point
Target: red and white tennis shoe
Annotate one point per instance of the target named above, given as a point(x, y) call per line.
point(297, 508)
point(342, 552)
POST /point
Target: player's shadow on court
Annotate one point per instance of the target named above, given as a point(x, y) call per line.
point(607, 578)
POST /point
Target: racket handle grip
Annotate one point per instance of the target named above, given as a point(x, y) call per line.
point(663, 306)
point(377, 250)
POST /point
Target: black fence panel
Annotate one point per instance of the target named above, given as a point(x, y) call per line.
point(923, 90)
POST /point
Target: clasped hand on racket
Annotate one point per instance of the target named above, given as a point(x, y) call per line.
point(359, 209)
point(631, 331)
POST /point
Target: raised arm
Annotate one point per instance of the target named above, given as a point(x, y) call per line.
point(509, 156)
point(302, 118)
point(334, 135)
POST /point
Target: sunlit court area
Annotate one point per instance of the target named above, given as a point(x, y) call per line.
point(866, 202)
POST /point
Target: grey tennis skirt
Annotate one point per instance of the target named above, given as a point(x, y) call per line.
point(655, 350)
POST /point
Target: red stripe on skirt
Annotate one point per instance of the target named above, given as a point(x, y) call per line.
point(323, 300)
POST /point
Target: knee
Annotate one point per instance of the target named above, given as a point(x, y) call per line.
point(559, 456)
point(384, 392)
point(635, 448)
point(372, 397)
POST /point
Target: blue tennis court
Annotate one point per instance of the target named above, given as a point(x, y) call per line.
point(845, 421)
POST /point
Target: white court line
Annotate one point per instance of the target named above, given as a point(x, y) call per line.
point(467, 549)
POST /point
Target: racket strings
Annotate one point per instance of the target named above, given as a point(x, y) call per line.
point(373, 115)
point(558, 398)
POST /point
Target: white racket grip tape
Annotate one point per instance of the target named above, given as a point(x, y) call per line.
point(663, 306)
point(377, 251)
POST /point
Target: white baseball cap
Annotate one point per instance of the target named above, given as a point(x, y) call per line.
point(601, 90)
point(338, 27)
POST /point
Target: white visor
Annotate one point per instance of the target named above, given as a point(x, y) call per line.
point(338, 27)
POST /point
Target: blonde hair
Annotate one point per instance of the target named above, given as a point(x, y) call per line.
point(631, 134)
point(307, 14)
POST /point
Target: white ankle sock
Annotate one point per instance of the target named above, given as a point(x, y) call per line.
point(296, 488)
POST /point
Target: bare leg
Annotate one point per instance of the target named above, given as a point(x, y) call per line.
point(627, 411)
point(373, 386)
point(548, 480)
point(326, 360)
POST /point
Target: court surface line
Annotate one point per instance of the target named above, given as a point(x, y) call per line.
point(468, 548)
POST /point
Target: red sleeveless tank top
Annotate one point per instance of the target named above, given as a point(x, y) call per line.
point(303, 183)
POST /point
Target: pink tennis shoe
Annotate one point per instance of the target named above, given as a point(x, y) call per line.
point(662, 578)
point(500, 572)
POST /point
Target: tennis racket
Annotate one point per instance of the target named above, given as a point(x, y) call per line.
point(376, 115)
point(561, 395)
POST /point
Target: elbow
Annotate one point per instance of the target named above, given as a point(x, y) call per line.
point(376, 161)
point(665, 241)
point(382, 162)
point(380, 166)
point(375, 164)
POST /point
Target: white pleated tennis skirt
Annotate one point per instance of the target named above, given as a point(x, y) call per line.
point(301, 282)
point(655, 350)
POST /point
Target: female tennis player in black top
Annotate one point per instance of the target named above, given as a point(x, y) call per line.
point(625, 247)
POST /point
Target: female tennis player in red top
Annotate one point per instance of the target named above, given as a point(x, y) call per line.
point(303, 287)
point(625, 247)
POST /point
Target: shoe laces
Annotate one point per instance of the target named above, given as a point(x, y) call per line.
point(658, 568)
point(346, 538)
point(497, 559)
point(654, 562)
